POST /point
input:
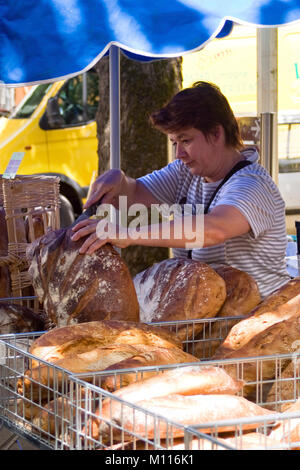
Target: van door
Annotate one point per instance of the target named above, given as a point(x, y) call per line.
point(72, 141)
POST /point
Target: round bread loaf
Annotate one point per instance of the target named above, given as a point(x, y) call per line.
point(179, 289)
point(76, 288)
point(242, 296)
point(242, 293)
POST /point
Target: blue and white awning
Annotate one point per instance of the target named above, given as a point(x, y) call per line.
point(47, 40)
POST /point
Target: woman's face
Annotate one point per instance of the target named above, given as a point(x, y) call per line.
point(196, 151)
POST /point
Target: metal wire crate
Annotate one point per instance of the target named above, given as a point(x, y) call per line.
point(119, 434)
point(36, 405)
point(18, 410)
point(138, 428)
point(200, 337)
point(265, 435)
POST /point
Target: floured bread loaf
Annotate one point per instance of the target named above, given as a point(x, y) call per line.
point(179, 289)
point(272, 328)
point(76, 288)
point(242, 296)
point(18, 319)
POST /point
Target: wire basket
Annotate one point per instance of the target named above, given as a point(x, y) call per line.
point(124, 431)
point(138, 429)
point(48, 392)
point(24, 400)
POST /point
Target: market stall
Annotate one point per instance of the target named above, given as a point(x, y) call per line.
point(72, 401)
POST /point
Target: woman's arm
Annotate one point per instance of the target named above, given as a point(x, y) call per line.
point(114, 183)
point(222, 223)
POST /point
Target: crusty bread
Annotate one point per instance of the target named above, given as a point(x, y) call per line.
point(179, 289)
point(272, 328)
point(62, 342)
point(284, 389)
point(94, 346)
point(76, 288)
point(184, 410)
point(187, 380)
point(5, 282)
point(38, 380)
point(242, 296)
point(287, 431)
point(242, 293)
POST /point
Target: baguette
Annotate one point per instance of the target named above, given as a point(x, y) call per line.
point(197, 410)
point(187, 380)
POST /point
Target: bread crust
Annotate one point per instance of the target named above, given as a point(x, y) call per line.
point(179, 289)
point(76, 288)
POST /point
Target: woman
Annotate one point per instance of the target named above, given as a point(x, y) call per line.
point(244, 214)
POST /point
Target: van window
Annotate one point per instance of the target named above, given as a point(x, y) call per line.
point(78, 99)
point(31, 102)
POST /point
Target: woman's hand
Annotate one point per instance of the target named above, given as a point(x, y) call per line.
point(106, 188)
point(100, 232)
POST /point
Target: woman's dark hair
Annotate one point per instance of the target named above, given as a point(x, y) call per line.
point(201, 106)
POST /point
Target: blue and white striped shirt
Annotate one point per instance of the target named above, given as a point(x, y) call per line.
point(261, 252)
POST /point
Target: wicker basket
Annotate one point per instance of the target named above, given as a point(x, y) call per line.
point(31, 205)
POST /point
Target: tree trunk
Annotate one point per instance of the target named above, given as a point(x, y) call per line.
point(145, 87)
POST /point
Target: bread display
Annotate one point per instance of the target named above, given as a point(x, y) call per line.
point(179, 289)
point(272, 328)
point(76, 288)
point(242, 296)
point(95, 346)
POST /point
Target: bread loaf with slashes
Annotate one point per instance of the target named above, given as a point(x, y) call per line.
point(179, 289)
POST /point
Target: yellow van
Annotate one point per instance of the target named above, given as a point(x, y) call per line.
point(55, 127)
